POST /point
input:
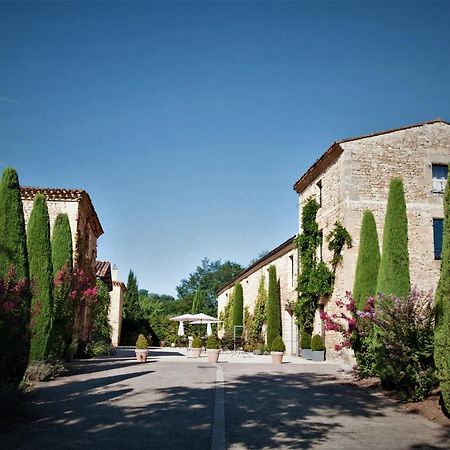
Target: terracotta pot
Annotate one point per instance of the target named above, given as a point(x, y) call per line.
point(141, 354)
point(277, 357)
point(194, 352)
point(213, 355)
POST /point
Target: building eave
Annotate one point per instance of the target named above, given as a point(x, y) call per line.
point(274, 254)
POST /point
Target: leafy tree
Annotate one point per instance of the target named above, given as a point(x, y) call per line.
point(64, 306)
point(13, 246)
point(442, 317)
point(393, 275)
point(273, 307)
point(368, 261)
point(102, 329)
point(14, 285)
point(238, 307)
point(41, 275)
point(209, 277)
point(131, 306)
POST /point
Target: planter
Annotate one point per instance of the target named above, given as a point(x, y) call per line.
point(318, 355)
point(306, 353)
point(213, 355)
point(141, 355)
point(277, 357)
point(195, 352)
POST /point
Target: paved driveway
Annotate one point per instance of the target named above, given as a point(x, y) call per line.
point(177, 403)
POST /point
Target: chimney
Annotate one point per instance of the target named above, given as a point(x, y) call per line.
point(115, 273)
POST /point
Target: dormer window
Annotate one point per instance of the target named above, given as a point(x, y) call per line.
point(439, 173)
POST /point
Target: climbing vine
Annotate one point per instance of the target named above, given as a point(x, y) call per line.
point(316, 280)
point(337, 238)
point(226, 316)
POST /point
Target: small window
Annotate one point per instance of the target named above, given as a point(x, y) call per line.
point(438, 233)
point(321, 246)
point(291, 260)
point(440, 173)
point(319, 185)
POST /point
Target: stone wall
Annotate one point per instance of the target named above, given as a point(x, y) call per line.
point(359, 180)
point(286, 266)
point(116, 307)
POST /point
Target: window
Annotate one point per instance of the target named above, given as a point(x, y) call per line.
point(321, 246)
point(438, 232)
point(319, 185)
point(439, 172)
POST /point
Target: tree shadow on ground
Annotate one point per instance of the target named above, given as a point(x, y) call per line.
point(138, 410)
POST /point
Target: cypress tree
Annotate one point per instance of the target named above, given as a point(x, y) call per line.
point(41, 275)
point(64, 306)
point(368, 261)
point(198, 302)
point(62, 252)
point(393, 274)
point(14, 272)
point(238, 308)
point(442, 304)
point(131, 307)
point(273, 307)
point(13, 244)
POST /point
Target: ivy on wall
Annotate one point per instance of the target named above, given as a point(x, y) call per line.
point(316, 280)
point(259, 313)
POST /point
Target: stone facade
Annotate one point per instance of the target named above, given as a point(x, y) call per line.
point(116, 306)
point(354, 175)
point(285, 260)
point(85, 227)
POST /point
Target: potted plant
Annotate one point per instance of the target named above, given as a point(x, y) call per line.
point(317, 348)
point(213, 349)
point(196, 348)
point(141, 348)
point(277, 349)
point(305, 345)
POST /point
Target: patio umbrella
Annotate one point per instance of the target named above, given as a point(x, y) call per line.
point(204, 318)
point(184, 318)
point(181, 328)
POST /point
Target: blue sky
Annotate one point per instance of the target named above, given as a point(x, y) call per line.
point(189, 122)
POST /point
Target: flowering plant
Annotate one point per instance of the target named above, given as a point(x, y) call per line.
point(83, 288)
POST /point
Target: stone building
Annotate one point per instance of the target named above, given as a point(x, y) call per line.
point(85, 227)
point(285, 259)
point(354, 174)
point(115, 311)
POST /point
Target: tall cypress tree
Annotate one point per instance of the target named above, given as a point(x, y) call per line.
point(198, 302)
point(13, 245)
point(41, 275)
point(238, 308)
point(368, 261)
point(62, 251)
point(273, 307)
point(442, 302)
point(64, 307)
point(131, 308)
point(14, 335)
point(393, 274)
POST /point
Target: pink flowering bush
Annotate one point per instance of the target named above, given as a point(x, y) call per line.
point(392, 338)
point(14, 329)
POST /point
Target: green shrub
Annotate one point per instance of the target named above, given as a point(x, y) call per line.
point(43, 371)
point(368, 261)
point(317, 344)
point(238, 308)
point(228, 341)
point(99, 348)
point(142, 343)
point(197, 342)
point(277, 345)
point(273, 307)
point(305, 340)
point(212, 343)
point(41, 275)
point(393, 274)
